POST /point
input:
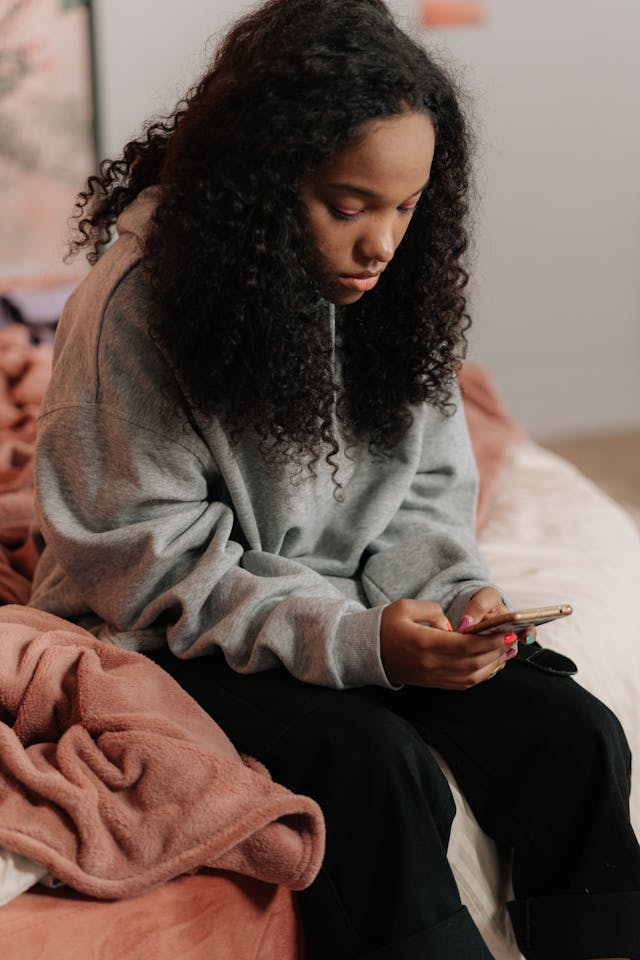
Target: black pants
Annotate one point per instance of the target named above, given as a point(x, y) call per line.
point(544, 766)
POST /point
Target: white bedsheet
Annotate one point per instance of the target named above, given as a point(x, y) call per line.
point(552, 536)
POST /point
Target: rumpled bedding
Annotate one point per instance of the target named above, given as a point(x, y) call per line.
point(115, 780)
point(492, 430)
point(24, 373)
point(219, 916)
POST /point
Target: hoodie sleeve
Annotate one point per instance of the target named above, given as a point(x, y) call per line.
point(129, 517)
point(428, 550)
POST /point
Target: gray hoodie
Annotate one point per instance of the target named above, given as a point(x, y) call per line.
point(153, 528)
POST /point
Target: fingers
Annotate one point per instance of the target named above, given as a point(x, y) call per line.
point(479, 670)
point(474, 644)
point(469, 664)
point(470, 671)
point(527, 636)
point(419, 647)
point(485, 601)
point(497, 670)
point(454, 661)
point(422, 611)
point(461, 680)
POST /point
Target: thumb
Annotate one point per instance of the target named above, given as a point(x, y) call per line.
point(481, 603)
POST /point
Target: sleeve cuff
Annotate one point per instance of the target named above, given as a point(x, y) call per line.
point(457, 606)
point(359, 645)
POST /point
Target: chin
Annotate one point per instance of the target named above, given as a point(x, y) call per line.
point(343, 298)
point(336, 293)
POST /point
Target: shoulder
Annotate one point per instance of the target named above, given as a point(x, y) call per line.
point(105, 359)
point(443, 436)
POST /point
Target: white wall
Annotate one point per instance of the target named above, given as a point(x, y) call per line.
point(556, 289)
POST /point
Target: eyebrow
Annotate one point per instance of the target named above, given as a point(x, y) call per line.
point(363, 192)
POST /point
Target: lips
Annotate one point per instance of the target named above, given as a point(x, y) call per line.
point(361, 282)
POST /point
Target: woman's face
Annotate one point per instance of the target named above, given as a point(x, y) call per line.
point(360, 205)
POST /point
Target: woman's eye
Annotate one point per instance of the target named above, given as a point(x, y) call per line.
point(343, 213)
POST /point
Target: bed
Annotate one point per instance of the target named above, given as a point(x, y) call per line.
point(548, 535)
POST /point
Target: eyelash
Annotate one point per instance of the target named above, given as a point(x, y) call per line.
point(336, 212)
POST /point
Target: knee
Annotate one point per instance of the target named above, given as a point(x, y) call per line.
point(588, 728)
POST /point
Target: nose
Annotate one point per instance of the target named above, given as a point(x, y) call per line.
point(377, 243)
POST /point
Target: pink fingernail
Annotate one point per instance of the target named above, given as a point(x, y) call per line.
point(465, 622)
point(512, 651)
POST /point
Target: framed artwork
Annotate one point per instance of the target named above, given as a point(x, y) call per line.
point(47, 142)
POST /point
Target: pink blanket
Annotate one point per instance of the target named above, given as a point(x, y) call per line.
point(492, 429)
point(115, 780)
point(24, 373)
point(210, 916)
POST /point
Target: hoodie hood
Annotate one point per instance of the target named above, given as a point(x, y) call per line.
point(135, 219)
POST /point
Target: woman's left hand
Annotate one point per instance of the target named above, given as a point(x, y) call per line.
point(482, 603)
point(488, 601)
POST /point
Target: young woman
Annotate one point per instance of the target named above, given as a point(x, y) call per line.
point(253, 465)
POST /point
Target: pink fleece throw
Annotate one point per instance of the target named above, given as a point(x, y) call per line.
point(115, 780)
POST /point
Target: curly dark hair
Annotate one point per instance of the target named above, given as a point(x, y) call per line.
point(241, 317)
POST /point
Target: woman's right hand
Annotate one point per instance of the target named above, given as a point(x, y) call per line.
point(419, 647)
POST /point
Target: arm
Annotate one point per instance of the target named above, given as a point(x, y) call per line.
point(427, 563)
point(128, 516)
point(428, 550)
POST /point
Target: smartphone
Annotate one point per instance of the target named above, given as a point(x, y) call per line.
point(513, 621)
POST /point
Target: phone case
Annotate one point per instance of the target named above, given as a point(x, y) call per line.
point(521, 620)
